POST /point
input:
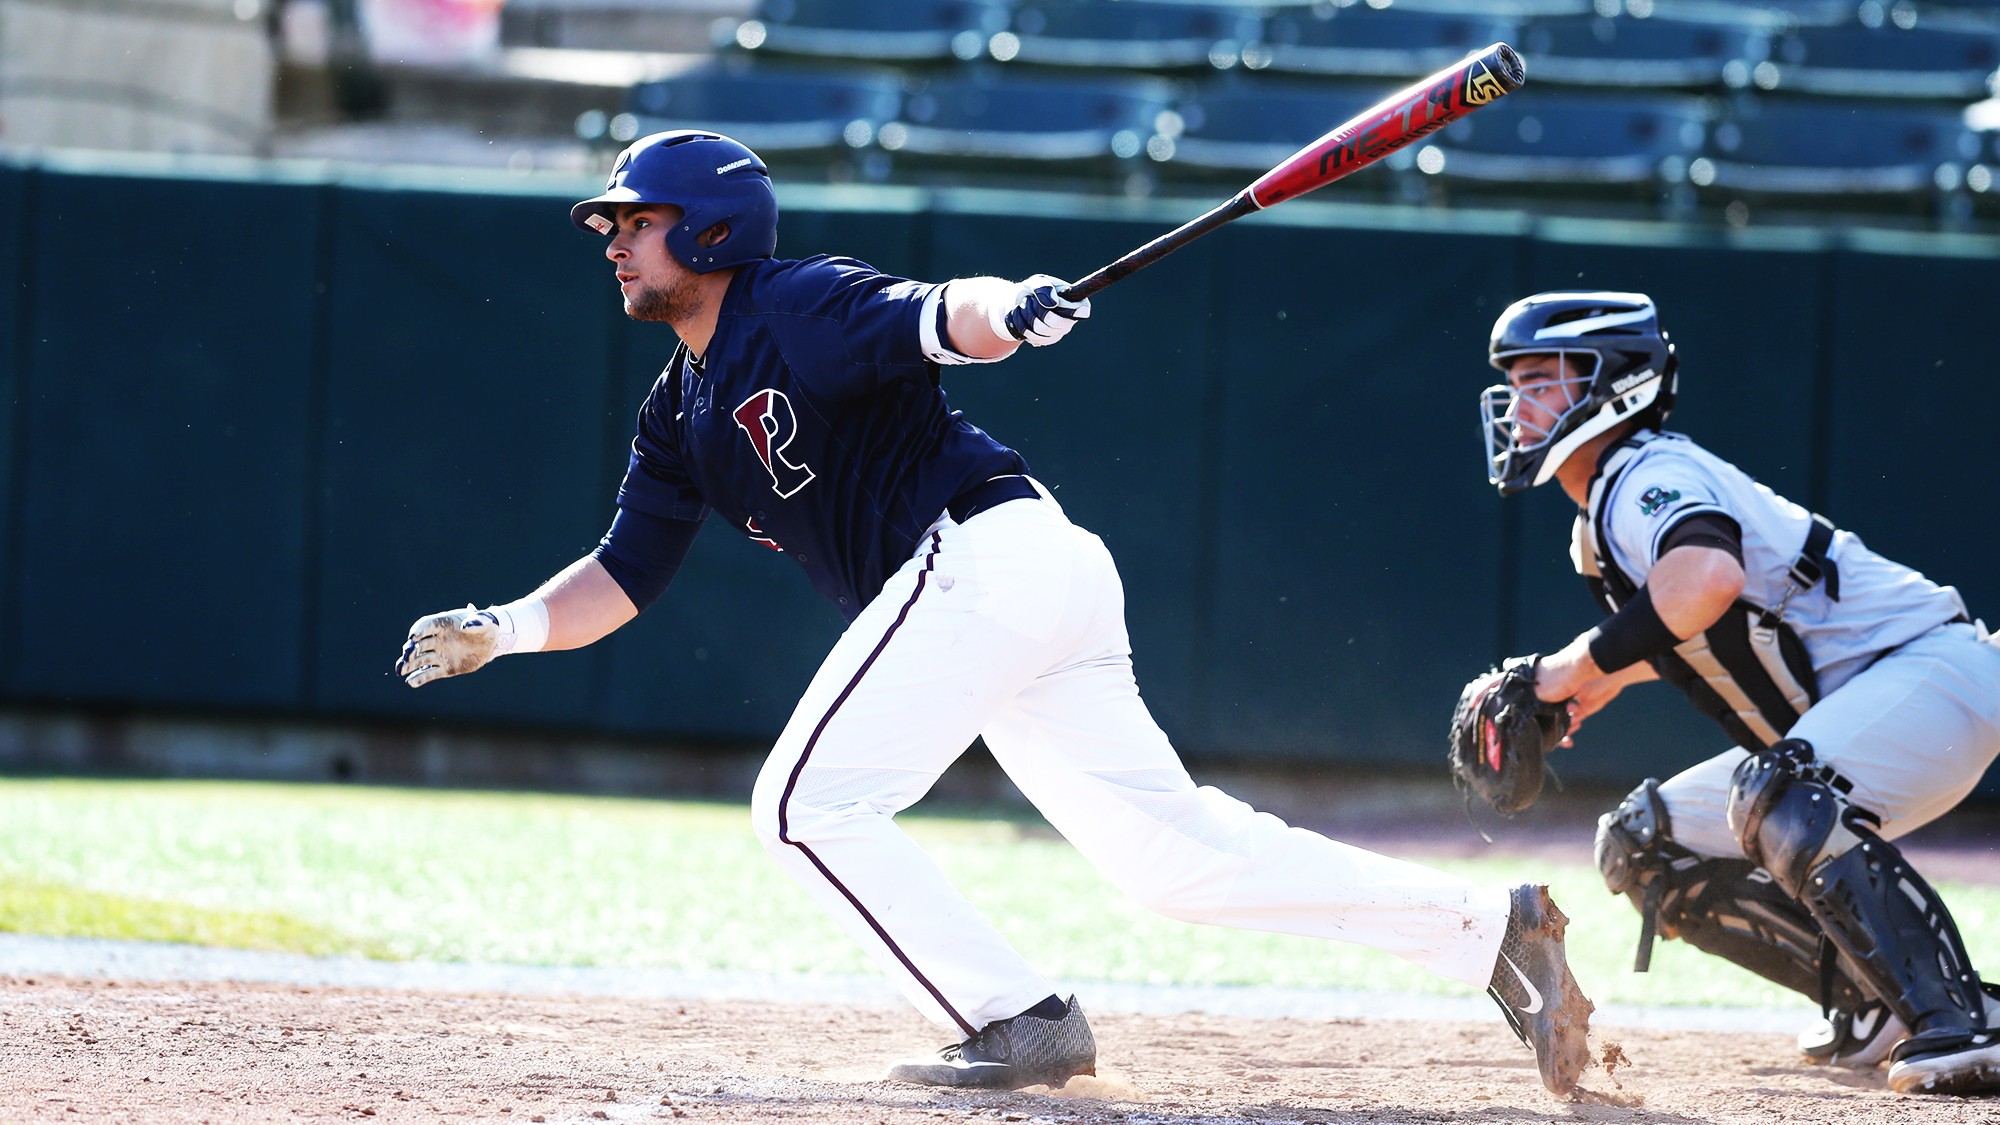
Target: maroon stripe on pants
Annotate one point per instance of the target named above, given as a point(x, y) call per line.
point(791, 783)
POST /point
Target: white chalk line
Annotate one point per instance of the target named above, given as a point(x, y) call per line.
point(23, 955)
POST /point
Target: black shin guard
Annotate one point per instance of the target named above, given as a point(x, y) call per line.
point(1792, 816)
point(1889, 921)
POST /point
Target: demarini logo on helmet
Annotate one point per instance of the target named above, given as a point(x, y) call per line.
point(732, 167)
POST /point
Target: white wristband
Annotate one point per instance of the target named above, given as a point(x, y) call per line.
point(524, 626)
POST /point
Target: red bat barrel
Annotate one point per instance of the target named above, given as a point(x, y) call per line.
point(1422, 109)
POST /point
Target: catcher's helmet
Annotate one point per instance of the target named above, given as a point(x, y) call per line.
point(1626, 369)
point(709, 177)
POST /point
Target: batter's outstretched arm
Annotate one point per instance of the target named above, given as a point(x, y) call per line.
point(585, 605)
point(1688, 590)
point(580, 605)
point(987, 318)
point(968, 320)
point(589, 600)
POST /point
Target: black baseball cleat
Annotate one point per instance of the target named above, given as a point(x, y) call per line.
point(1532, 985)
point(1951, 1060)
point(1946, 1060)
point(1860, 1038)
point(1046, 1045)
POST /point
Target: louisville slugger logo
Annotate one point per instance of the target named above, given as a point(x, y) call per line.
point(767, 419)
point(1482, 85)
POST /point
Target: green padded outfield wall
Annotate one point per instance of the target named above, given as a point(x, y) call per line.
point(257, 417)
point(162, 442)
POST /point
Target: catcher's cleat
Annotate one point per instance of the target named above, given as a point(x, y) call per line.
point(1533, 986)
point(1946, 1060)
point(1860, 1038)
point(1037, 1047)
point(1951, 1061)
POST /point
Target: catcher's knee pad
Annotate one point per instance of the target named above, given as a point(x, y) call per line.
point(1787, 814)
point(1729, 908)
point(1792, 816)
point(1635, 839)
point(1637, 856)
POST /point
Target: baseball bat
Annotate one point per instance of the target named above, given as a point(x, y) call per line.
point(1403, 117)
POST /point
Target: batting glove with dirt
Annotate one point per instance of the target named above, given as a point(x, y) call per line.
point(464, 640)
point(1040, 314)
point(449, 644)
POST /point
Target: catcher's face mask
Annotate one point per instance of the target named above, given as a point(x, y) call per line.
point(1524, 416)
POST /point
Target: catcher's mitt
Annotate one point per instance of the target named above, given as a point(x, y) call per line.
point(1500, 734)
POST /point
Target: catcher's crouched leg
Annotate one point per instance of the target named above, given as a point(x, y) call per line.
point(1733, 909)
point(1792, 816)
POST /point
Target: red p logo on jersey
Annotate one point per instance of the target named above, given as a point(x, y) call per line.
point(768, 420)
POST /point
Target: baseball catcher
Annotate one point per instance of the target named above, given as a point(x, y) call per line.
point(1861, 699)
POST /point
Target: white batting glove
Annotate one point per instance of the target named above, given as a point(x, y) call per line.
point(466, 640)
point(1040, 315)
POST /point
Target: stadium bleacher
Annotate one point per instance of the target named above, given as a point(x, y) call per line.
point(1855, 60)
point(1245, 129)
point(772, 111)
point(1818, 103)
point(881, 30)
point(1659, 53)
point(1796, 148)
point(1129, 34)
point(1983, 178)
point(1536, 138)
point(1365, 41)
point(1027, 120)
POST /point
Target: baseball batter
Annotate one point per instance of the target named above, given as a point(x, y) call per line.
point(1861, 698)
point(803, 407)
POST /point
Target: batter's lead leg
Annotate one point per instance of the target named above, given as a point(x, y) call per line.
point(1533, 986)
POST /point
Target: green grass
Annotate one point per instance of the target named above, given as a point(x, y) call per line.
point(593, 881)
point(29, 906)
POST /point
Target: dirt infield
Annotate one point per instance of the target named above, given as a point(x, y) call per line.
point(215, 1054)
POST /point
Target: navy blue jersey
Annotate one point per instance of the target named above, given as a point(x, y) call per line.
point(814, 423)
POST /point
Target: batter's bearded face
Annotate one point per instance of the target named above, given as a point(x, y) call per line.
point(656, 286)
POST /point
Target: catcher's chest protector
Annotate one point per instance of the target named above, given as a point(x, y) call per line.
point(1749, 671)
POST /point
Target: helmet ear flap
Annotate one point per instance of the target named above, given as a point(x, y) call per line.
point(1663, 403)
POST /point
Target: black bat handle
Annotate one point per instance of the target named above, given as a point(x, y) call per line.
point(1238, 206)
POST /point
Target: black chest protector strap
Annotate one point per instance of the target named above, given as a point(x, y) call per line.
point(1749, 671)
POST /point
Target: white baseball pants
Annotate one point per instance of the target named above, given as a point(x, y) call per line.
point(1914, 732)
point(1012, 625)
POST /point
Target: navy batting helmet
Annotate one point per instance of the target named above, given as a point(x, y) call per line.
point(711, 178)
point(1626, 372)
